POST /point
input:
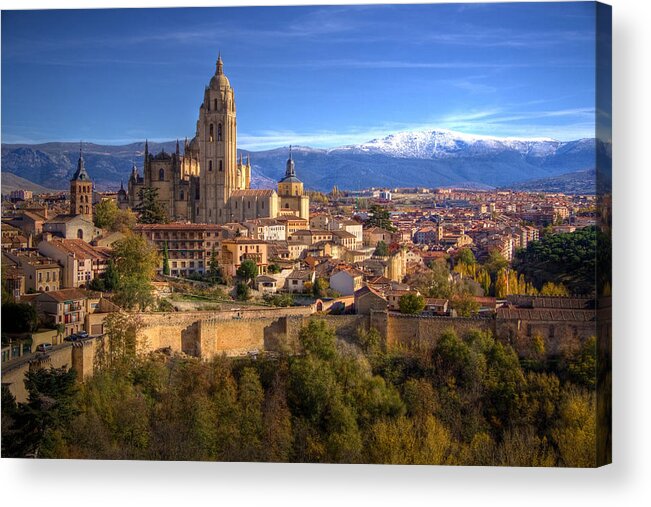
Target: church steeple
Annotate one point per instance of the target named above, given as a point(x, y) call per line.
point(290, 171)
point(81, 190)
point(80, 173)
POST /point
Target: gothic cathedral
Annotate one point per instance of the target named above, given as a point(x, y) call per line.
point(207, 183)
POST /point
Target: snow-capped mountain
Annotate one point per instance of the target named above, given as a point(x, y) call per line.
point(429, 144)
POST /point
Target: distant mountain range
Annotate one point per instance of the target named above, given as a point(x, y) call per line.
point(413, 158)
point(11, 182)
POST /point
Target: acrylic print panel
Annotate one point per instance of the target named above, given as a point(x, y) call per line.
point(352, 234)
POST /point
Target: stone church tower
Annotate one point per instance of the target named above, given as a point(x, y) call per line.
point(217, 137)
point(81, 191)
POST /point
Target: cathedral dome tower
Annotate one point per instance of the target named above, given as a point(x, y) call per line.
point(290, 185)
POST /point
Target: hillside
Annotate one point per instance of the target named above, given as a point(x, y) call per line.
point(11, 182)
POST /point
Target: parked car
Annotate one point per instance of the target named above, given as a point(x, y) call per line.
point(82, 335)
point(44, 347)
point(74, 337)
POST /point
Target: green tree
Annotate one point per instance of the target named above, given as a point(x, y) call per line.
point(495, 262)
point(465, 256)
point(465, 305)
point(320, 288)
point(150, 208)
point(214, 270)
point(121, 342)
point(242, 291)
point(19, 318)
point(250, 401)
point(411, 303)
point(583, 367)
point(381, 250)
point(136, 262)
point(319, 339)
point(380, 217)
point(166, 260)
point(36, 428)
point(111, 276)
point(434, 282)
point(248, 270)
point(273, 269)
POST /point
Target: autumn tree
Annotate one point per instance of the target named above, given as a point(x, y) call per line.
point(105, 213)
point(136, 262)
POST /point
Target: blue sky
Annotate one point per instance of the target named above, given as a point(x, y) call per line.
point(316, 76)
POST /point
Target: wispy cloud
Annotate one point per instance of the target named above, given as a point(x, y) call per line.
point(494, 121)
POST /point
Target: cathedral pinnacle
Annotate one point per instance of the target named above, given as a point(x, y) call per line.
point(220, 64)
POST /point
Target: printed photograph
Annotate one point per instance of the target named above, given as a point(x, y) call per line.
point(369, 234)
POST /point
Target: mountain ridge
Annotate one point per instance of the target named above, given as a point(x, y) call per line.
point(425, 158)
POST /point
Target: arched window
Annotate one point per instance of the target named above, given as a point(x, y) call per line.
point(80, 234)
point(210, 165)
point(286, 205)
point(219, 132)
point(87, 210)
point(181, 195)
point(220, 165)
point(262, 204)
point(248, 204)
point(235, 204)
point(215, 105)
point(81, 209)
point(161, 174)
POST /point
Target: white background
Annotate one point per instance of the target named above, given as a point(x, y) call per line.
point(626, 482)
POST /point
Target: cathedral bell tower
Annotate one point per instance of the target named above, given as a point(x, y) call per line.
point(81, 191)
point(216, 134)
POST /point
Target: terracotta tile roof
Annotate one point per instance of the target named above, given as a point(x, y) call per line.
point(66, 295)
point(81, 249)
point(300, 274)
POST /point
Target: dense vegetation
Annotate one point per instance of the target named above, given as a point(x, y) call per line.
point(568, 258)
point(466, 401)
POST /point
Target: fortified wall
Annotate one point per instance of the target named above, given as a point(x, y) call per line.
point(238, 332)
point(79, 356)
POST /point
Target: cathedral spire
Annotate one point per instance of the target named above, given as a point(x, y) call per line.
point(220, 64)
